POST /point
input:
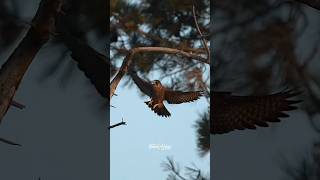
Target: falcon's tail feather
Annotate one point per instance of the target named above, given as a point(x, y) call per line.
point(160, 109)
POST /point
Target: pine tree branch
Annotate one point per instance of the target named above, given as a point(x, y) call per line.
point(128, 60)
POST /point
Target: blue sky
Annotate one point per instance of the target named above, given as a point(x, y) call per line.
point(131, 157)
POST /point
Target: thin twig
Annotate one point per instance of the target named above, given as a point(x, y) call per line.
point(118, 124)
point(9, 142)
point(17, 105)
point(204, 42)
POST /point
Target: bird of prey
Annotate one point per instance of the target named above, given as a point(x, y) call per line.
point(96, 67)
point(229, 112)
point(158, 93)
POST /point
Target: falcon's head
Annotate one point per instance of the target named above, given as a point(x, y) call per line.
point(156, 83)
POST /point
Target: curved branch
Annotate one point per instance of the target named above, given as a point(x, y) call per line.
point(128, 60)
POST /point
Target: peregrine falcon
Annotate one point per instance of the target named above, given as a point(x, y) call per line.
point(229, 112)
point(158, 93)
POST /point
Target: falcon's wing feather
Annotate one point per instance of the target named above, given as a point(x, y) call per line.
point(177, 97)
point(143, 85)
point(93, 64)
point(246, 112)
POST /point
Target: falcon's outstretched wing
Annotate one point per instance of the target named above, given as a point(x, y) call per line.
point(177, 97)
point(246, 112)
point(93, 64)
point(143, 85)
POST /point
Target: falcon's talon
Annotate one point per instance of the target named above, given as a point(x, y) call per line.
point(154, 106)
point(158, 93)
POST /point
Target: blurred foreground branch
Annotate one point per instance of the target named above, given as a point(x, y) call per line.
point(13, 70)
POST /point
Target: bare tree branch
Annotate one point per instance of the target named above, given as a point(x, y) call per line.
point(128, 60)
point(205, 45)
point(13, 70)
point(204, 42)
point(164, 41)
point(118, 124)
point(17, 104)
point(9, 142)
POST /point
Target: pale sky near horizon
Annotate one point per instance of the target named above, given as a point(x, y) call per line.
point(131, 157)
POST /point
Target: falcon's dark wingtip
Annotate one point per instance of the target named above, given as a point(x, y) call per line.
point(201, 93)
point(291, 92)
point(284, 97)
point(291, 103)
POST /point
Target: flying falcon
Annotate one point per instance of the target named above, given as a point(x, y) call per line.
point(158, 93)
point(228, 112)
